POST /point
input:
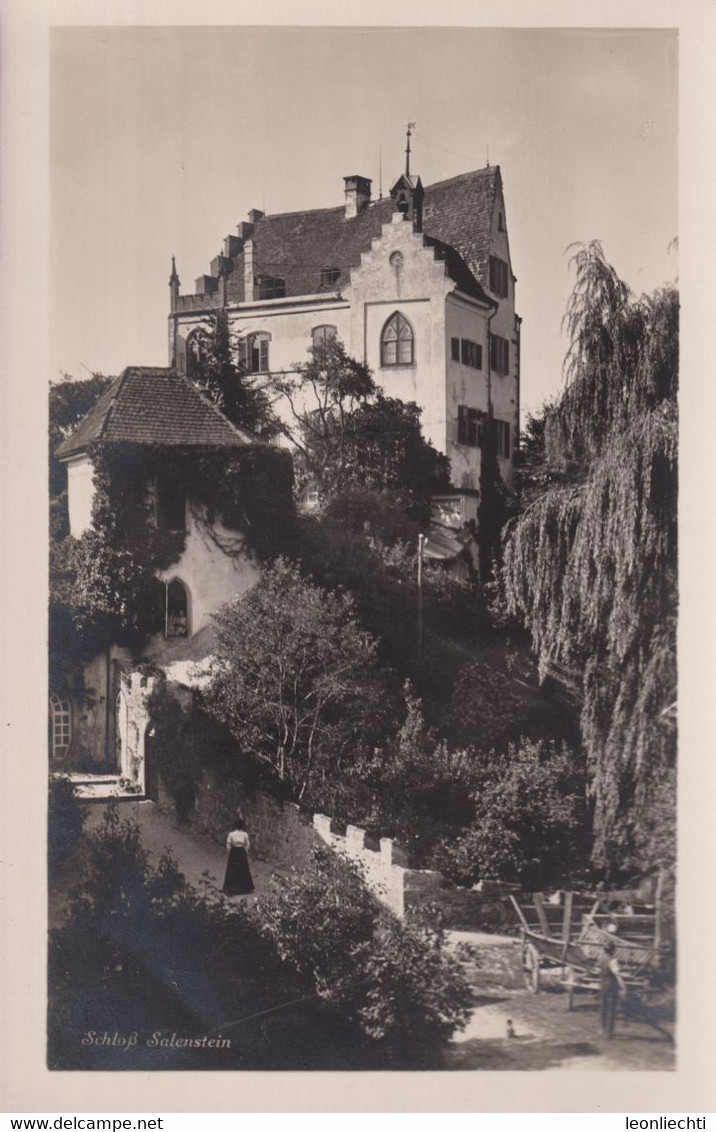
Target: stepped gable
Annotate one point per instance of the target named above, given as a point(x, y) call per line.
point(297, 246)
point(157, 406)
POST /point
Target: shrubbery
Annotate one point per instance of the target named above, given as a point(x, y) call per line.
point(65, 822)
point(395, 980)
point(341, 981)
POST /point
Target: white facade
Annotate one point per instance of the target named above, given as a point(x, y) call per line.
point(402, 272)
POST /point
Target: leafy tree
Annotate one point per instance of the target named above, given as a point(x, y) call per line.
point(533, 472)
point(296, 679)
point(529, 819)
point(213, 368)
point(493, 510)
point(347, 434)
point(69, 402)
point(590, 566)
point(396, 980)
point(385, 451)
point(320, 395)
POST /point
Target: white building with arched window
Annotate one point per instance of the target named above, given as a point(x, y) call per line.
point(419, 285)
point(101, 726)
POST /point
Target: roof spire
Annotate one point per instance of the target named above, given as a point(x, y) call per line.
point(411, 126)
point(174, 275)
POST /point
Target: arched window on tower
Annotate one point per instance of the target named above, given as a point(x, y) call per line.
point(177, 610)
point(397, 342)
point(60, 722)
point(254, 352)
point(197, 351)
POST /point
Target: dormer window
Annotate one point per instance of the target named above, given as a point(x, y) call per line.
point(397, 342)
point(329, 277)
point(271, 287)
point(323, 334)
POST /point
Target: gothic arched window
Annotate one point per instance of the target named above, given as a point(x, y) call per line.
point(177, 609)
point(197, 352)
point(397, 342)
point(60, 726)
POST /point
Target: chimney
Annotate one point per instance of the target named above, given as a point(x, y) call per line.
point(248, 271)
point(255, 215)
point(357, 195)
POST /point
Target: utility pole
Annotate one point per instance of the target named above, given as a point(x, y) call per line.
point(421, 544)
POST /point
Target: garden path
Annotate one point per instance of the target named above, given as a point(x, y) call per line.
point(195, 854)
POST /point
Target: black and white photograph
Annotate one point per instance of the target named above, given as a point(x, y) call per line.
point(362, 394)
point(363, 589)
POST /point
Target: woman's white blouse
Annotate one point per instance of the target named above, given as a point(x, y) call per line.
point(238, 839)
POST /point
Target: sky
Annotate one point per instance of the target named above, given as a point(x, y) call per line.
point(163, 138)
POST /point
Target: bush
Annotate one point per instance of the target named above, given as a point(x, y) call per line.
point(529, 825)
point(65, 822)
point(396, 980)
point(297, 682)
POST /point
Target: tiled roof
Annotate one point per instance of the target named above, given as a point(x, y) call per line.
point(459, 212)
point(152, 405)
point(296, 246)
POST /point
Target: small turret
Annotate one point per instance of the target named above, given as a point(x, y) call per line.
point(174, 285)
point(407, 193)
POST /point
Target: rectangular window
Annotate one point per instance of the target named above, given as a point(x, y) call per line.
point(469, 426)
point(500, 222)
point(455, 349)
point(499, 354)
point(498, 276)
point(257, 353)
point(471, 354)
point(330, 276)
point(503, 439)
point(271, 288)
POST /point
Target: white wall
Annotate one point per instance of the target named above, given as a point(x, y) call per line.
point(465, 385)
point(80, 493)
point(416, 289)
point(210, 576)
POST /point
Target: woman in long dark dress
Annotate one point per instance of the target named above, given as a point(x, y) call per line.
point(237, 881)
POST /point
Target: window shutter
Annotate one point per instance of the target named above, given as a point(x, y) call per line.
point(263, 355)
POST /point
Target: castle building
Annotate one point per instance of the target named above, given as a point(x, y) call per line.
point(418, 285)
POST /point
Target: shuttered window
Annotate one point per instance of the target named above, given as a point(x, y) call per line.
point(499, 354)
point(498, 276)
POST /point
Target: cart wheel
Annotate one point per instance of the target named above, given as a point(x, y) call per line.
point(530, 967)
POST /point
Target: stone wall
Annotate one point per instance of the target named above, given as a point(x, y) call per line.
point(280, 832)
point(284, 834)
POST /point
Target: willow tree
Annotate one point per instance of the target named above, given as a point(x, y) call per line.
point(590, 565)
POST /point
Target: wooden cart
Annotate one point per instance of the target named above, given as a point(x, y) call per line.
point(569, 933)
